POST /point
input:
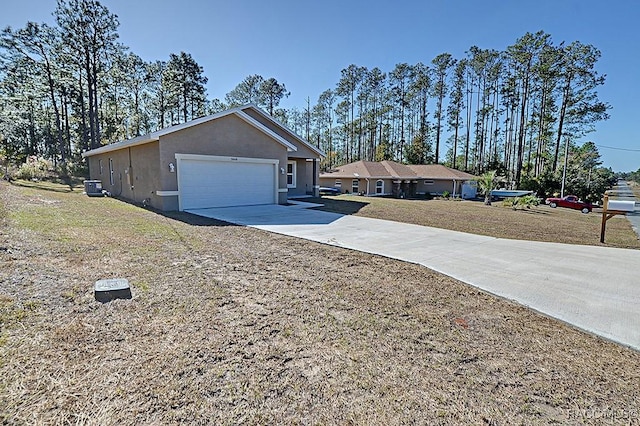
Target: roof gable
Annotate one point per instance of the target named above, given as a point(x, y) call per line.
point(269, 119)
point(239, 112)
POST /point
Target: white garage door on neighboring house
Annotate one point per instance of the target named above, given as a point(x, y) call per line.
point(206, 181)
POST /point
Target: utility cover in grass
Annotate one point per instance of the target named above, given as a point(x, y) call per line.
point(112, 288)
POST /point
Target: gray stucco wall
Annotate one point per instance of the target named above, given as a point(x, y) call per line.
point(304, 177)
point(135, 173)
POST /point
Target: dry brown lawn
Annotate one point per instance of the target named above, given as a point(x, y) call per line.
point(232, 325)
point(540, 223)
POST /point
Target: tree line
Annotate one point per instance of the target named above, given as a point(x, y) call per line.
point(516, 111)
point(73, 86)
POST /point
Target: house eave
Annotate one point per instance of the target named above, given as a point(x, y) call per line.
point(155, 136)
point(363, 176)
point(255, 123)
point(141, 140)
point(259, 110)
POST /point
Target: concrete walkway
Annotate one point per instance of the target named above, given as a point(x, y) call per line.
point(593, 288)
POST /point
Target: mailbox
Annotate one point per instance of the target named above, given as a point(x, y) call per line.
point(621, 205)
point(613, 208)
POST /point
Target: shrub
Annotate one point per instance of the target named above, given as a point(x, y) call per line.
point(486, 184)
point(33, 168)
point(446, 194)
point(523, 202)
point(510, 202)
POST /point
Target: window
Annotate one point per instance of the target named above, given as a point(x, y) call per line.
point(111, 171)
point(338, 183)
point(428, 182)
point(379, 186)
point(354, 186)
point(291, 174)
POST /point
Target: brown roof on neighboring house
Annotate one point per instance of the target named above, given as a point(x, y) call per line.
point(372, 169)
point(438, 171)
point(393, 170)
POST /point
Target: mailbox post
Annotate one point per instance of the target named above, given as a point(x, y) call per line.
point(611, 208)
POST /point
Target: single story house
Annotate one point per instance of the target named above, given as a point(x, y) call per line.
point(399, 180)
point(241, 156)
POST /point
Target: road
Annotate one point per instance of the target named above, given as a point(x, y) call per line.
point(624, 191)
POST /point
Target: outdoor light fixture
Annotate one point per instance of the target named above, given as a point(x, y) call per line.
point(172, 168)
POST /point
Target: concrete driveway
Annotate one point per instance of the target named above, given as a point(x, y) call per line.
point(593, 288)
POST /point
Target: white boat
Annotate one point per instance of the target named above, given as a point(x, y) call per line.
point(509, 193)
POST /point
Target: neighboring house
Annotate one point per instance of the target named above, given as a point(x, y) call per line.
point(436, 178)
point(237, 157)
point(399, 180)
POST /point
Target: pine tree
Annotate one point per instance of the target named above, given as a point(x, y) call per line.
point(90, 32)
point(442, 64)
point(272, 93)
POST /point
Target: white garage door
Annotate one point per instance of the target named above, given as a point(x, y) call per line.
point(209, 181)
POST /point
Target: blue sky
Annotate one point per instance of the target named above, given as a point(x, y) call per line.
point(305, 44)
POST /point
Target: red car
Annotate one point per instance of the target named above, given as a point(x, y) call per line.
point(571, 202)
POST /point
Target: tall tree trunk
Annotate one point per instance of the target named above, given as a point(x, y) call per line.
point(530, 147)
point(507, 139)
point(96, 109)
point(185, 100)
point(67, 128)
point(468, 136)
point(33, 143)
point(541, 134)
point(86, 141)
point(521, 132)
point(439, 121)
point(496, 117)
point(455, 140)
point(563, 112)
point(162, 109)
point(56, 111)
point(90, 110)
point(478, 139)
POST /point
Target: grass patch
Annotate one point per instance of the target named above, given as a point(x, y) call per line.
point(73, 185)
point(10, 311)
point(64, 221)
